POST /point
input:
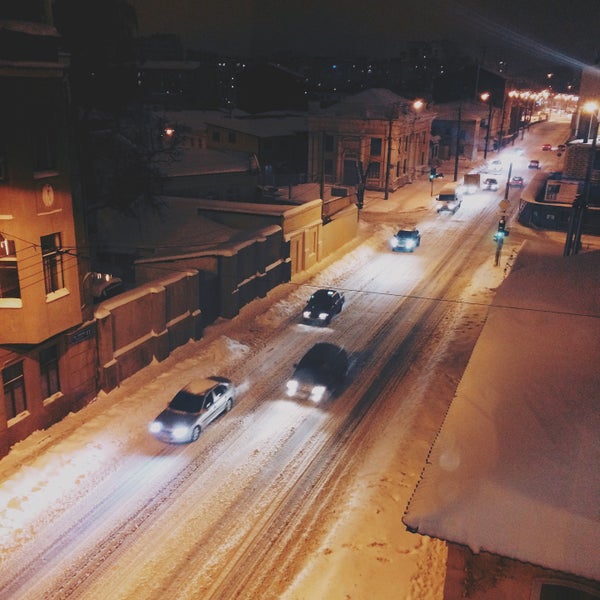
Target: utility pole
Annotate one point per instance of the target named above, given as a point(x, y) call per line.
point(388, 162)
point(458, 126)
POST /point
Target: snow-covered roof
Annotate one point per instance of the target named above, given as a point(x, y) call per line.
point(374, 103)
point(263, 126)
point(515, 468)
point(204, 161)
point(177, 228)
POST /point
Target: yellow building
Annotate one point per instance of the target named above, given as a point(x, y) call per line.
point(43, 364)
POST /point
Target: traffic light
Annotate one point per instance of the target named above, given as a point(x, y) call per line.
point(432, 173)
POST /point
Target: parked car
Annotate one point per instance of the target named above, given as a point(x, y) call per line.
point(534, 164)
point(517, 181)
point(193, 408)
point(547, 147)
point(490, 184)
point(319, 374)
point(105, 285)
point(322, 306)
point(406, 240)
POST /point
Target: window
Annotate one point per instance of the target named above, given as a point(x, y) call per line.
point(328, 166)
point(552, 191)
point(376, 145)
point(49, 371)
point(9, 276)
point(328, 143)
point(45, 141)
point(374, 170)
point(231, 137)
point(14, 390)
point(52, 259)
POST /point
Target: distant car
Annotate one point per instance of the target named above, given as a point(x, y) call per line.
point(406, 240)
point(490, 184)
point(193, 408)
point(319, 374)
point(105, 285)
point(547, 147)
point(322, 306)
point(534, 164)
point(450, 205)
point(496, 166)
point(517, 181)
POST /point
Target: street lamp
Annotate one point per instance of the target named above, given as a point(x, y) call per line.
point(487, 97)
point(416, 106)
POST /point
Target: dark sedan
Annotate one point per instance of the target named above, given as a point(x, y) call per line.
point(322, 306)
point(319, 374)
point(406, 240)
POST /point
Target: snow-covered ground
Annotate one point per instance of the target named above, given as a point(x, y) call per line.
point(100, 466)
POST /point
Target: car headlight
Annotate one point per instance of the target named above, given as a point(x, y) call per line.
point(394, 242)
point(306, 314)
point(154, 427)
point(180, 432)
point(323, 316)
point(291, 387)
point(410, 243)
point(317, 393)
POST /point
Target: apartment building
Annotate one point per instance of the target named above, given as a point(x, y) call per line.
point(46, 365)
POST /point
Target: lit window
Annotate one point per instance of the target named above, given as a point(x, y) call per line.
point(52, 259)
point(14, 390)
point(49, 371)
point(9, 276)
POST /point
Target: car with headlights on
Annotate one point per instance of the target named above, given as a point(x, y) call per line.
point(193, 408)
point(517, 181)
point(319, 374)
point(534, 164)
point(490, 184)
point(406, 240)
point(322, 306)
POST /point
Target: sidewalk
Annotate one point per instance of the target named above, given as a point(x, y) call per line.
point(411, 196)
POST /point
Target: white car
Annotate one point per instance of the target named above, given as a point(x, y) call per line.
point(193, 408)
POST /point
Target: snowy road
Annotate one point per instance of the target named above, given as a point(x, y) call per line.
point(97, 508)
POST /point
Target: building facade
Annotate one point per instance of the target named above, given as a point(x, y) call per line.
point(45, 363)
point(375, 138)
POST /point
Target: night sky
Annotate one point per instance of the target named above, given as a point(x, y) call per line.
point(526, 33)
